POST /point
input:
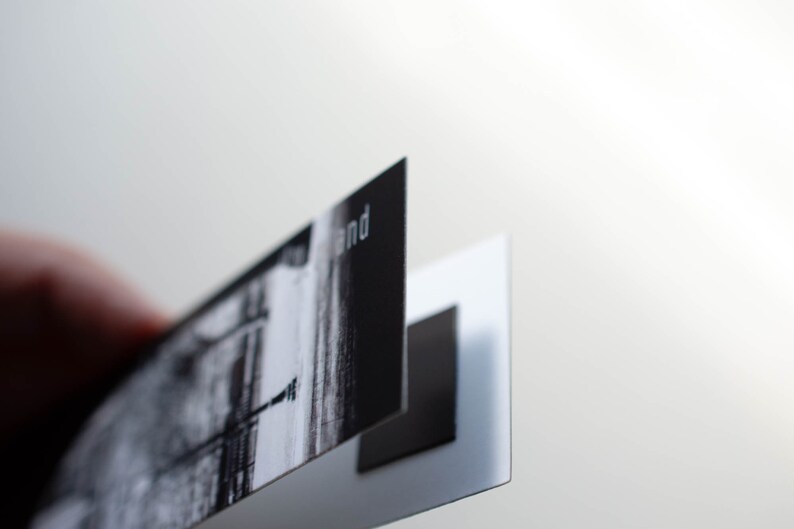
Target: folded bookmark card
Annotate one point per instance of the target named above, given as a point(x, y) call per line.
point(302, 352)
point(454, 439)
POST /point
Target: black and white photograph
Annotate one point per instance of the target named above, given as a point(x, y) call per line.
point(455, 439)
point(302, 352)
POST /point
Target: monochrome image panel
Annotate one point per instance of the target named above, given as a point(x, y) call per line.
point(302, 352)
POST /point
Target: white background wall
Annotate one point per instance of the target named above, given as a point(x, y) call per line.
point(638, 151)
